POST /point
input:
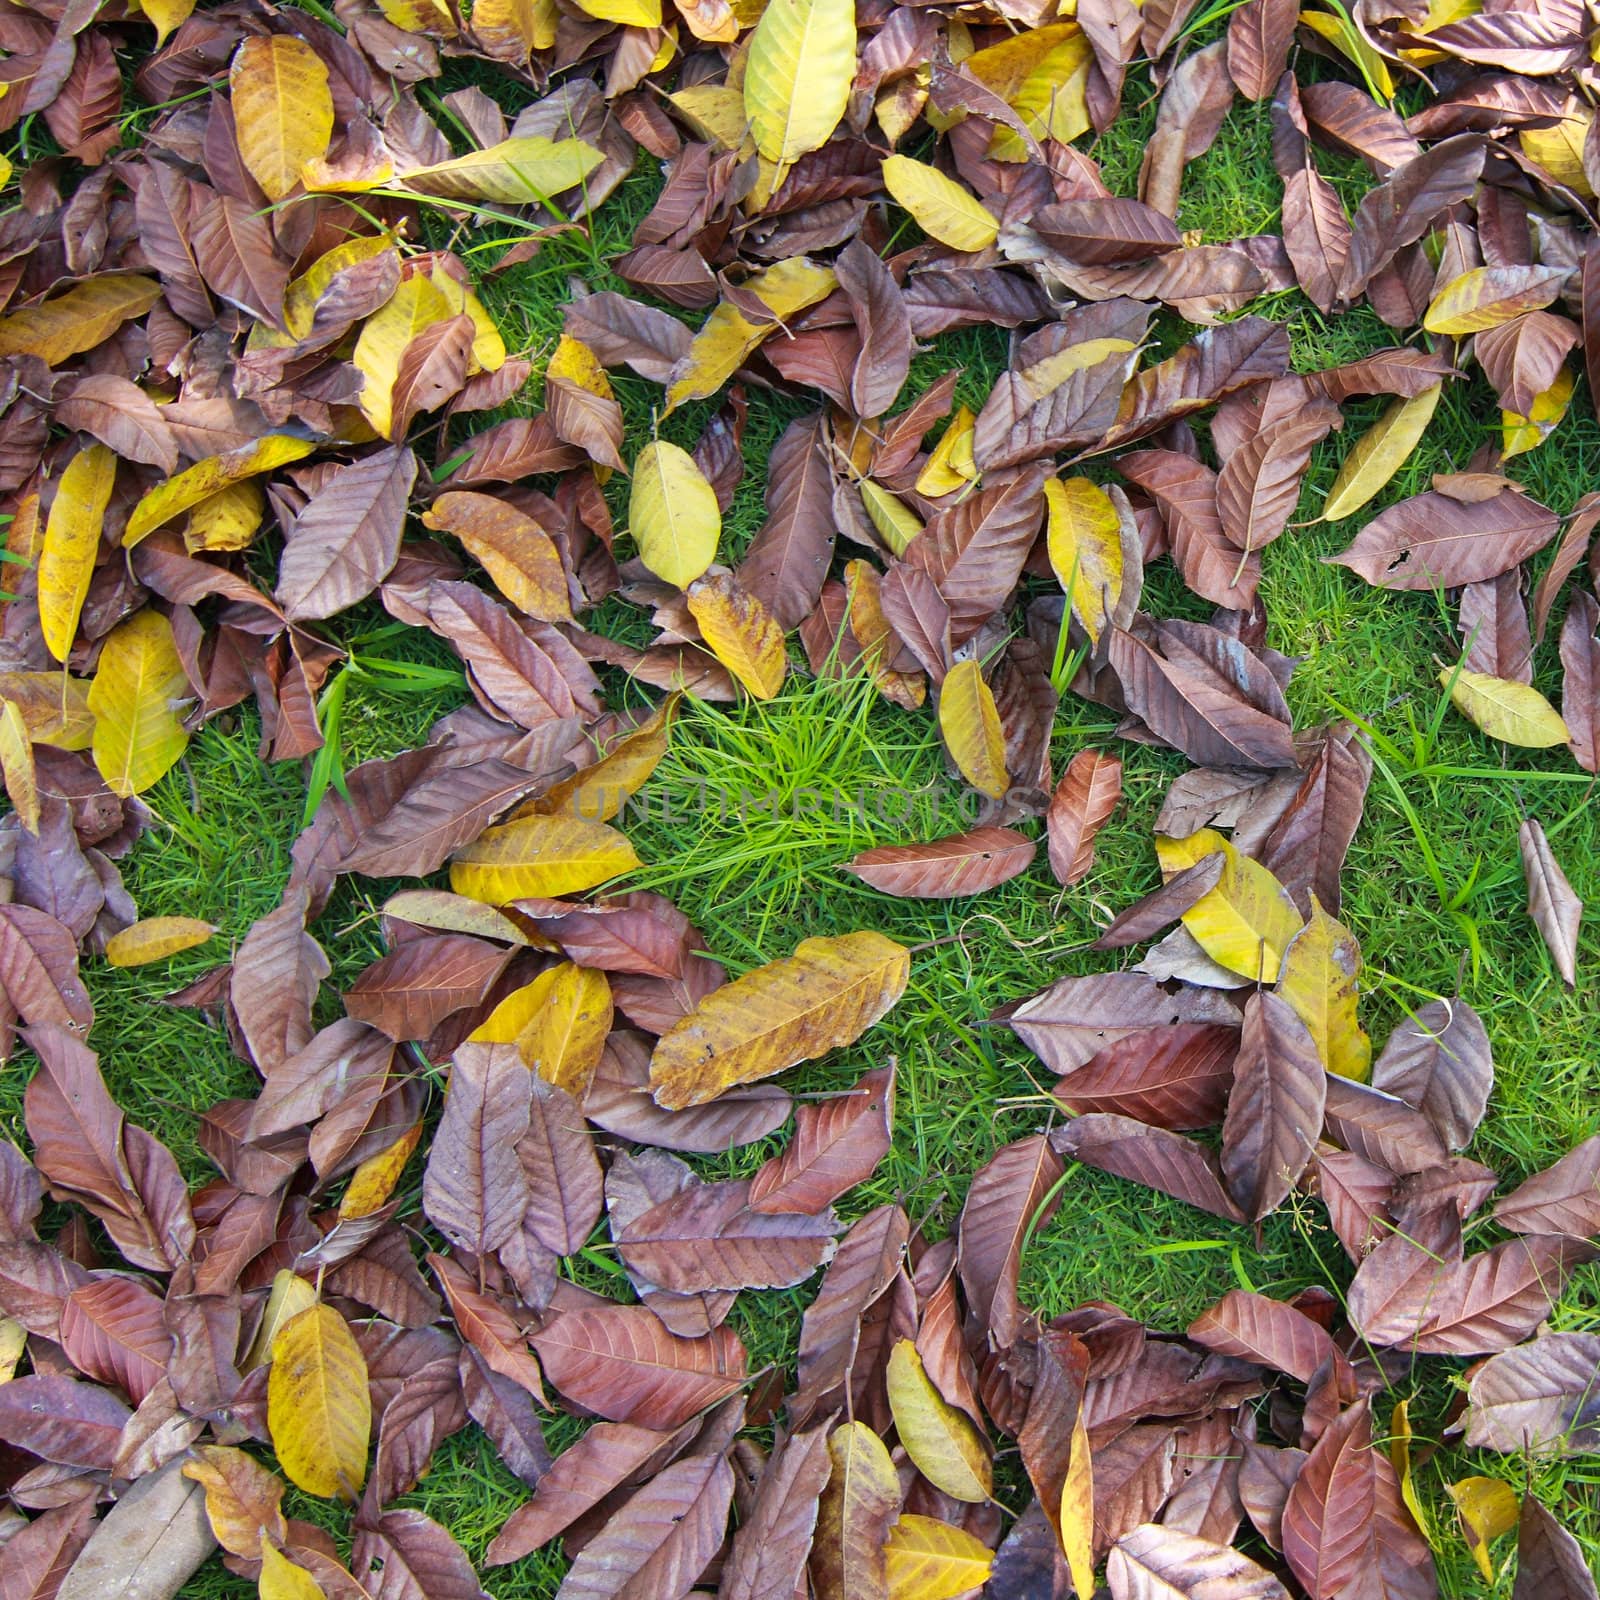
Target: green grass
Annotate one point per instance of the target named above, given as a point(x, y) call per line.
point(754, 809)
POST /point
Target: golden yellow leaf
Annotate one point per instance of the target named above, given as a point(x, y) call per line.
point(281, 1579)
point(515, 28)
point(950, 466)
point(630, 13)
point(797, 76)
point(228, 519)
point(88, 313)
point(1246, 922)
point(1488, 1509)
point(539, 856)
point(715, 112)
point(864, 592)
point(453, 913)
point(673, 514)
point(513, 549)
point(599, 792)
point(166, 15)
point(1342, 34)
point(420, 16)
point(289, 1296)
point(894, 521)
point(282, 109)
point(13, 1341)
point(1052, 101)
point(934, 1560)
point(488, 347)
point(156, 938)
point(300, 298)
point(942, 1442)
point(1320, 978)
point(826, 995)
point(574, 362)
point(416, 305)
point(188, 488)
point(71, 543)
point(569, 1017)
point(740, 632)
point(319, 1412)
point(17, 765)
point(1471, 303)
point(140, 682)
point(728, 336)
point(1514, 712)
point(1076, 1526)
point(519, 171)
point(1559, 150)
point(54, 707)
point(1521, 434)
point(374, 1180)
point(1380, 453)
point(1004, 67)
point(939, 205)
point(970, 725)
point(243, 1498)
point(1084, 540)
point(1400, 1459)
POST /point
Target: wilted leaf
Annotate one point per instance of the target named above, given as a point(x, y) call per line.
point(1487, 1508)
point(1159, 1563)
point(1247, 922)
point(318, 1408)
point(1438, 1060)
point(1505, 709)
point(1320, 979)
point(1552, 903)
point(740, 632)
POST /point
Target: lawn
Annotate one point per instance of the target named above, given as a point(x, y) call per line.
point(747, 820)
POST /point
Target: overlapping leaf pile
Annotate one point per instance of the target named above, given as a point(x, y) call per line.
point(223, 354)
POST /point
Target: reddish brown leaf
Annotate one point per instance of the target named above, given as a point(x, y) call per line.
point(1328, 1518)
point(1175, 1077)
point(1088, 793)
point(1439, 1061)
point(945, 869)
point(1580, 679)
point(112, 1329)
point(1259, 35)
point(1011, 1195)
point(837, 1143)
point(1552, 903)
point(1130, 1149)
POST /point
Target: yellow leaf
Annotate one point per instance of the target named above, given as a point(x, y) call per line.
point(943, 1444)
point(728, 336)
point(282, 109)
point(13, 1341)
point(630, 13)
point(138, 734)
point(374, 1180)
point(1077, 1511)
point(1320, 979)
point(243, 1498)
point(515, 28)
point(289, 1296)
point(1052, 102)
point(1044, 377)
point(1520, 434)
point(53, 706)
point(488, 348)
point(740, 632)
point(673, 514)
point(300, 298)
point(416, 305)
point(71, 543)
point(939, 205)
point(569, 1017)
point(156, 938)
point(1471, 303)
point(599, 792)
point(319, 1412)
point(574, 362)
point(281, 1579)
point(453, 913)
point(862, 1494)
point(228, 519)
point(1246, 922)
point(83, 317)
point(17, 765)
point(1344, 37)
point(1487, 1508)
point(1003, 68)
point(1514, 712)
point(826, 995)
point(513, 549)
point(1400, 1459)
point(1084, 540)
point(1559, 150)
point(419, 16)
point(950, 465)
point(715, 112)
point(206, 478)
point(934, 1560)
point(970, 725)
point(540, 857)
point(166, 15)
point(797, 76)
point(1380, 453)
point(873, 633)
point(896, 523)
point(519, 171)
